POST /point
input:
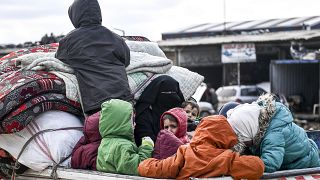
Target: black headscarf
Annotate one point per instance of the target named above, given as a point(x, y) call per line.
point(162, 94)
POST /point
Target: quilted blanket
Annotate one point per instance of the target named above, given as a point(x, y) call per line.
point(148, 47)
point(142, 67)
point(144, 62)
point(42, 61)
point(22, 115)
point(188, 80)
point(20, 86)
point(45, 61)
point(147, 55)
point(7, 62)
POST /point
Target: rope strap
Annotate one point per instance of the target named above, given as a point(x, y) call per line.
point(53, 173)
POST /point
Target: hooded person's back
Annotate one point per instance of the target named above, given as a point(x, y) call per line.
point(97, 55)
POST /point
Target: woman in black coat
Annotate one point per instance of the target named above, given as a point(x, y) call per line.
point(162, 94)
point(97, 55)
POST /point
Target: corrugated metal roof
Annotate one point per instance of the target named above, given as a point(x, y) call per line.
point(197, 28)
point(314, 21)
point(272, 36)
point(296, 21)
point(227, 25)
point(270, 25)
point(250, 25)
point(273, 24)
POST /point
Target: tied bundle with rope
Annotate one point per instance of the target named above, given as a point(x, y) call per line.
point(46, 141)
point(55, 165)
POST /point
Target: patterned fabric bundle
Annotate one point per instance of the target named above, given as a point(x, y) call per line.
point(20, 86)
point(24, 94)
point(28, 111)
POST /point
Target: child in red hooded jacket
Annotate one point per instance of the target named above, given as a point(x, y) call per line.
point(173, 125)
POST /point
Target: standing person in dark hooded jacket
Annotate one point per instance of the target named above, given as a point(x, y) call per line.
point(162, 94)
point(97, 55)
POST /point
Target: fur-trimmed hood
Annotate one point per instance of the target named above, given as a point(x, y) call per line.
point(266, 109)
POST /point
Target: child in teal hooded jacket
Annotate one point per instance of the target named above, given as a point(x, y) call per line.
point(267, 127)
point(118, 152)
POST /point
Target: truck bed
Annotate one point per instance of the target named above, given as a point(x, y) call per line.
point(76, 174)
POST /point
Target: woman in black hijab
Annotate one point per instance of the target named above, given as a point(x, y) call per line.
point(162, 94)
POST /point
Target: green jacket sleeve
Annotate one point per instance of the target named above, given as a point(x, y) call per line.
point(272, 151)
point(145, 152)
point(129, 157)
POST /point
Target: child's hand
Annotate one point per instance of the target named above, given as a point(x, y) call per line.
point(147, 141)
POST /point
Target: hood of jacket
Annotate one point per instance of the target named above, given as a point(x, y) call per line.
point(283, 115)
point(91, 128)
point(268, 109)
point(182, 118)
point(85, 13)
point(214, 131)
point(116, 119)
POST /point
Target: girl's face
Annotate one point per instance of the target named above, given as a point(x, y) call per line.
point(191, 112)
point(171, 126)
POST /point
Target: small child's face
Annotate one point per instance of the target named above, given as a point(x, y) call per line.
point(191, 112)
point(171, 126)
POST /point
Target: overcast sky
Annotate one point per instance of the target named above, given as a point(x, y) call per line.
point(29, 20)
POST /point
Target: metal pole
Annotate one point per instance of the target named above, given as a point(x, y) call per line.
point(238, 73)
point(178, 57)
point(224, 74)
point(224, 17)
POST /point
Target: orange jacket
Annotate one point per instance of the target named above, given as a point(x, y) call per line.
point(207, 155)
